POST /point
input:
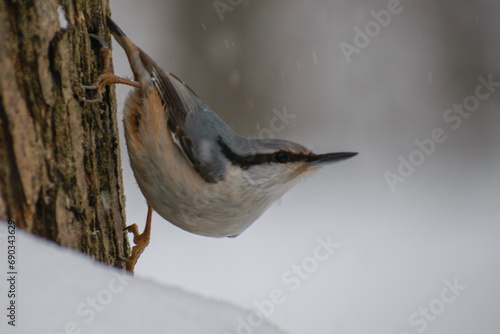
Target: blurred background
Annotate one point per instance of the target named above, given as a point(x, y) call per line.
point(405, 236)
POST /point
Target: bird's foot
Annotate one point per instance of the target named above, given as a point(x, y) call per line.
point(107, 78)
point(141, 241)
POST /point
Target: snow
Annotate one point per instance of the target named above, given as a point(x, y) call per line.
point(63, 22)
point(59, 290)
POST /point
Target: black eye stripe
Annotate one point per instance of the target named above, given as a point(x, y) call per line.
point(247, 161)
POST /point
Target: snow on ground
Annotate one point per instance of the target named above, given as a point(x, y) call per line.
point(58, 290)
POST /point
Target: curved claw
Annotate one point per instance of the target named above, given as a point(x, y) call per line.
point(92, 101)
point(100, 40)
point(124, 259)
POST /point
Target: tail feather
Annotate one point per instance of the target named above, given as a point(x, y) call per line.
point(132, 51)
point(115, 29)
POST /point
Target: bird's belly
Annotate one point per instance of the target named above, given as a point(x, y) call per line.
point(179, 194)
point(169, 183)
point(201, 208)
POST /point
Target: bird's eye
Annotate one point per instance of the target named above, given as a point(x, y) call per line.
point(281, 157)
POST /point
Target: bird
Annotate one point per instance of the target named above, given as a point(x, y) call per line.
point(191, 167)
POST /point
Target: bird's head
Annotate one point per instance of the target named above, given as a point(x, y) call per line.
point(276, 165)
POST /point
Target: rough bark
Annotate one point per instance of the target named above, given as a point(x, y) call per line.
point(60, 172)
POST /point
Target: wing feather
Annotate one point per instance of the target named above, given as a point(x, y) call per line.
point(180, 101)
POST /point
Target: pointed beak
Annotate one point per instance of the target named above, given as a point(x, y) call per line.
point(329, 158)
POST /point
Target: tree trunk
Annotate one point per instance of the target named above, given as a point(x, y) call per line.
point(60, 171)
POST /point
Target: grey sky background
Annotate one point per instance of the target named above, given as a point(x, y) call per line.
point(399, 246)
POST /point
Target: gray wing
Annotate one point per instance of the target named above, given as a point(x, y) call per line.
point(195, 127)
